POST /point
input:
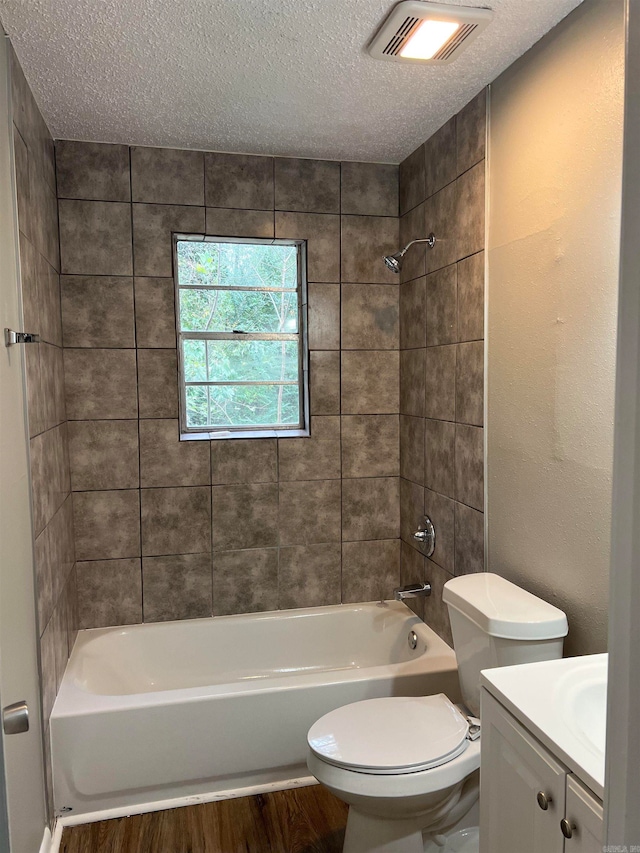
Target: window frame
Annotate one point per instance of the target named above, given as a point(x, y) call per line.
point(301, 428)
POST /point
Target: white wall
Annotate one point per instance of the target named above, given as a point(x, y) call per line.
point(555, 161)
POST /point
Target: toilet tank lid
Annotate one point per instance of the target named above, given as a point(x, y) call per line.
point(502, 609)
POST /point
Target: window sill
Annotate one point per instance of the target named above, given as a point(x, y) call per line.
point(219, 435)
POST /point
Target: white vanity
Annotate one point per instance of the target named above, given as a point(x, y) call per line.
point(542, 757)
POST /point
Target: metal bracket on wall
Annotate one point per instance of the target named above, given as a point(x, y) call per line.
point(11, 338)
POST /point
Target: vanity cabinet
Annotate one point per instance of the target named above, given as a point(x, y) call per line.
point(526, 792)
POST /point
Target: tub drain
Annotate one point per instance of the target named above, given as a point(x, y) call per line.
point(412, 639)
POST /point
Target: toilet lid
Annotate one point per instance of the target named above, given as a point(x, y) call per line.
point(392, 735)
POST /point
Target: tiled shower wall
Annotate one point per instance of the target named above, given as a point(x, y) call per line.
point(172, 530)
point(442, 189)
point(51, 491)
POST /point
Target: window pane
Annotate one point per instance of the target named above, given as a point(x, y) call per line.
point(252, 361)
point(243, 405)
point(237, 264)
point(248, 311)
point(195, 361)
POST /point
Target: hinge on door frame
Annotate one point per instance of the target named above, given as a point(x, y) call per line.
point(11, 338)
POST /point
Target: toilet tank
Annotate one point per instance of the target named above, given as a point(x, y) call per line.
point(496, 623)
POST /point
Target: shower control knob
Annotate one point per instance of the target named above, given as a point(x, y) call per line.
point(543, 800)
point(426, 536)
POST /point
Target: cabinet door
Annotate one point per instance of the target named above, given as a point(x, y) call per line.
point(514, 769)
point(584, 813)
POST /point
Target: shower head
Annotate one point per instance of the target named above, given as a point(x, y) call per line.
point(394, 262)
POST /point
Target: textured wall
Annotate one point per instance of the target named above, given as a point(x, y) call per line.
point(50, 481)
point(442, 355)
point(555, 195)
point(171, 530)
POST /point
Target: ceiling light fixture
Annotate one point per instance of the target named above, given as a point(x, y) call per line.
point(415, 31)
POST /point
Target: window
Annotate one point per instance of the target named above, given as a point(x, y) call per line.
point(240, 309)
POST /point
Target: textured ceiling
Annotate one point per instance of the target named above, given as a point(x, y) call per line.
point(287, 77)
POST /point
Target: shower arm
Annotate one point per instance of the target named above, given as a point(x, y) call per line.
point(430, 241)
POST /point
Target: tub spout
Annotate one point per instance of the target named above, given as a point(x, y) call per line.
point(414, 590)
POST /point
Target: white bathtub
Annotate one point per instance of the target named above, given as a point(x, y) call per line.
point(210, 708)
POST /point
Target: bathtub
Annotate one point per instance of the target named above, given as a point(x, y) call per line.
point(170, 713)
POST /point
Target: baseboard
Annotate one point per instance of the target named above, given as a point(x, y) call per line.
point(51, 841)
point(177, 802)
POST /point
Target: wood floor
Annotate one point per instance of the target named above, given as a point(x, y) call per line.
point(302, 820)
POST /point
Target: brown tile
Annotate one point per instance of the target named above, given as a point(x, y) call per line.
point(309, 458)
point(52, 385)
point(155, 312)
point(92, 170)
point(158, 383)
point(95, 237)
point(470, 211)
point(324, 383)
point(370, 570)
point(471, 298)
point(109, 593)
point(412, 180)
point(30, 285)
point(167, 176)
point(35, 396)
point(97, 311)
point(167, 461)
point(370, 382)
point(43, 216)
point(309, 512)
point(324, 316)
point(370, 316)
point(442, 302)
point(229, 222)
point(440, 383)
point(49, 294)
point(103, 455)
point(370, 446)
point(412, 448)
point(365, 242)
point(441, 512)
point(413, 314)
point(439, 457)
point(370, 508)
point(245, 516)
point(436, 613)
point(369, 189)
point(27, 117)
point(309, 576)
point(71, 604)
point(23, 189)
point(470, 383)
point(61, 639)
point(412, 382)
point(48, 670)
point(176, 587)
point(412, 570)
point(470, 466)
point(61, 548)
point(412, 227)
point(322, 233)
point(469, 540)
point(107, 524)
point(163, 514)
point(153, 225)
point(440, 158)
point(411, 510)
point(100, 383)
point(312, 186)
point(245, 581)
point(49, 475)
point(441, 216)
point(239, 180)
point(248, 460)
point(42, 558)
point(471, 132)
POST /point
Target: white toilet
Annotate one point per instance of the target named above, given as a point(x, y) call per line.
point(408, 766)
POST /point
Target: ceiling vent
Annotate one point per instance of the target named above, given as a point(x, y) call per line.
point(427, 32)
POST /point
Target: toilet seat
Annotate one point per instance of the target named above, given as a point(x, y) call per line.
point(391, 736)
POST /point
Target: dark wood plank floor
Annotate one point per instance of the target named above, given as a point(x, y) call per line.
point(302, 820)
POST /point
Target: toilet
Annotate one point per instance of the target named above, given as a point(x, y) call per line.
point(408, 767)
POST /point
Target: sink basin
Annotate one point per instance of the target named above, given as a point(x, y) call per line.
point(584, 702)
point(564, 704)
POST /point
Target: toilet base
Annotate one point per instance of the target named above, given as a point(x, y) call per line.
point(368, 834)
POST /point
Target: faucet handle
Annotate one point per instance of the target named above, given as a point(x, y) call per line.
point(426, 536)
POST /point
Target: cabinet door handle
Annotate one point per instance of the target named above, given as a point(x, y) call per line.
point(567, 827)
point(543, 800)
